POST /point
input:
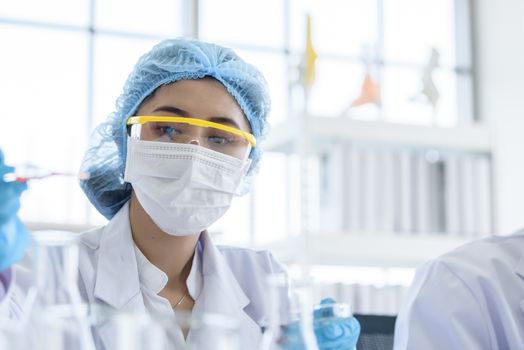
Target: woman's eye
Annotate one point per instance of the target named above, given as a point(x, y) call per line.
point(168, 130)
point(220, 140)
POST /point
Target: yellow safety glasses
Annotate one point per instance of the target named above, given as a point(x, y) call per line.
point(215, 136)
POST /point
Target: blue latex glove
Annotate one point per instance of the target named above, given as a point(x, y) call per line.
point(335, 333)
point(292, 339)
point(14, 238)
point(332, 333)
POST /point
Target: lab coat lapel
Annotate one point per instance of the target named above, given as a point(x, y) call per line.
point(519, 270)
point(222, 294)
point(117, 282)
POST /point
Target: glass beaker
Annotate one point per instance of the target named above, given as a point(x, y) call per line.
point(13, 334)
point(62, 327)
point(59, 315)
point(290, 305)
point(210, 331)
point(141, 330)
point(135, 330)
point(55, 264)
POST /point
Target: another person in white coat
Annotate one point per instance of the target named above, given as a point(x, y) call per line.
point(469, 299)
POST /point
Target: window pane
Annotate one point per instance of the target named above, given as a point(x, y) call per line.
point(338, 27)
point(160, 17)
point(446, 111)
point(258, 23)
point(411, 34)
point(337, 84)
point(115, 57)
point(404, 103)
point(234, 227)
point(274, 68)
point(69, 11)
point(44, 108)
point(272, 203)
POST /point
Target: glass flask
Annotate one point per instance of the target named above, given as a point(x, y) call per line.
point(59, 317)
point(212, 331)
point(13, 335)
point(141, 330)
point(133, 329)
point(290, 323)
point(63, 327)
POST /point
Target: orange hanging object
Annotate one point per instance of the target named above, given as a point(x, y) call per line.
point(369, 93)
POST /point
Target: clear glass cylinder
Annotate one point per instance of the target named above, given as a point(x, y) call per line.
point(63, 327)
point(14, 335)
point(134, 330)
point(210, 331)
point(60, 319)
point(290, 305)
point(55, 258)
point(141, 330)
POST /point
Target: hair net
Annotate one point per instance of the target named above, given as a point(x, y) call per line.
point(167, 62)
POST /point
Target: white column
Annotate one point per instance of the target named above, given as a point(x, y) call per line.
point(499, 62)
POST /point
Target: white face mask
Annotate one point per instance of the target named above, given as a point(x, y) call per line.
point(184, 188)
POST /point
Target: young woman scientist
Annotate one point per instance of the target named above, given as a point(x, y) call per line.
point(163, 168)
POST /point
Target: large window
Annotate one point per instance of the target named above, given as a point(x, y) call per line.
point(61, 72)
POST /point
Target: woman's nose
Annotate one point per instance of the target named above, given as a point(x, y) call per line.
point(194, 142)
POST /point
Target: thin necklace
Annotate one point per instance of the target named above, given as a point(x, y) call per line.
point(180, 301)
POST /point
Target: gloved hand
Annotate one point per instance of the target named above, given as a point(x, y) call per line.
point(14, 238)
point(335, 332)
point(332, 332)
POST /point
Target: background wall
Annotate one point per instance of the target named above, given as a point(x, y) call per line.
point(499, 58)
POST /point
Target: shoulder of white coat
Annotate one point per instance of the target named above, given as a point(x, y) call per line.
point(88, 261)
point(251, 269)
point(459, 285)
point(505, 251)
point(485, 263)
point(441, 310)
point(91, 238)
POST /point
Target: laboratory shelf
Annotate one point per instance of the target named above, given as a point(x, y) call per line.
point(476, 138)
point(352, 249)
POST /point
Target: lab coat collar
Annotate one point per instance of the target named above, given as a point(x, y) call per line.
point(194, 280)
point(117, 282)
point(150, 276)
point(216, 270)
point(117, 266)
point(223, 295)
point(519, 269)
point(154, 279)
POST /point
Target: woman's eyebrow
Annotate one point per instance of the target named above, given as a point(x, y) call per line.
point(182, 113)
point(225, 120)
point(172, 110)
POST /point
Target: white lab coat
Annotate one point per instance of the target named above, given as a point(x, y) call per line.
point(233, 281)
point(471, 298)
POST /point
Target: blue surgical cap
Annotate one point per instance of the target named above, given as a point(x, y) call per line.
point(167, 62)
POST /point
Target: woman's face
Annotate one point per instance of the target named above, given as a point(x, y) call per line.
point(205, 99)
